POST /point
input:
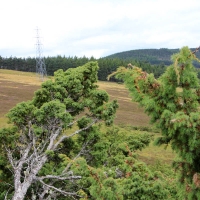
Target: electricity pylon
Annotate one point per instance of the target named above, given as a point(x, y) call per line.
point(40, 64)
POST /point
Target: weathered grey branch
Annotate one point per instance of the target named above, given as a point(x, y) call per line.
point(59, 190)
point(10, 158)
point(58, 177)
point(76, 132)
point(6, 194)
point(53, 138)
point(77, 156)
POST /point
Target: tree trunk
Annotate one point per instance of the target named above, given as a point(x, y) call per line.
point(19, 194)
point(21, 188)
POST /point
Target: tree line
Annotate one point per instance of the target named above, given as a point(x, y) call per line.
point(106, 65)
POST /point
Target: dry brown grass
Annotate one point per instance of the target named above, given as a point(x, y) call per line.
point(129, 113)
point(12, 93)
point(15, 87)
point(18, 86)
point(152, 154)
point(19, 77)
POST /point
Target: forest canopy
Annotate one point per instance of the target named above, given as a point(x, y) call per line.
point(106, 65)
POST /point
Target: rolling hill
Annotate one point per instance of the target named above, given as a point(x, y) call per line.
point(153, 56)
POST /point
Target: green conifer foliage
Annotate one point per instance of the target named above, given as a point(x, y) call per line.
point(55, 149)
point(172, 101)
point(37, 150)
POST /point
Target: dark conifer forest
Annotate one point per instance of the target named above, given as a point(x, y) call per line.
point(150, 60)
point(106, 65)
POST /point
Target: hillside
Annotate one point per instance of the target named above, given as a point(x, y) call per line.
point(18, 86)
point(153, 56)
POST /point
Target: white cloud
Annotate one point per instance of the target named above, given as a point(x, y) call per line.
point(97, 28)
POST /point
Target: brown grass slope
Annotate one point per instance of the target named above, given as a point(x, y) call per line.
point(18, 86)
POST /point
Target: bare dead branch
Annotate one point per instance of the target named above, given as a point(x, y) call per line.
point(60, 191)
point(5, 198)
point(76, 132)
point(10, 157)
point(58, 177)
point(53, 138)
point(77, 156)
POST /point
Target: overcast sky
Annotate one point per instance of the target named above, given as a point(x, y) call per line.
point(97, 27)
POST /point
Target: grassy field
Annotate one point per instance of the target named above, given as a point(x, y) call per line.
point(129, 113)
point(15, 87)
point(18, 86)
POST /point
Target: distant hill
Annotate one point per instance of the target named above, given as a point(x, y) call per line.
point(153, 56)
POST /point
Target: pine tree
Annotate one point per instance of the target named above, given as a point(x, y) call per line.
point(38, 148)
point(172, 101)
